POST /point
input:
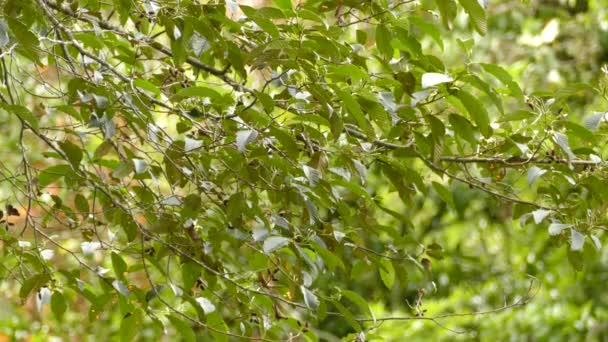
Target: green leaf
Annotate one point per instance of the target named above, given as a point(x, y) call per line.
point(347, 315)
point(192, 206)
point(81, 203)
point(286, 140)
point(215, 320)
point(359, 301)
point(268, 26)
point(383, 41)
point(353, 108)
point(58, 305)
point(28, 41)
point(427, 28)
point(130, 326)
point(448, 11)
point(72, 151)
point(576, 260)
point(119, 265)
point(579, 131)
point(387, 273)
point(517, 115)
point(463, 128)
point(33, 283)
point(190, 274)
point(283, 4)
point(23, 113)
point(477, 111)
point(147, 86)
point(331, 260)
point(503, 76)
point(52, 174)
point(198, 92)
point(183, 328)
point(477, 15)
point(444, 193)
point(572, 89)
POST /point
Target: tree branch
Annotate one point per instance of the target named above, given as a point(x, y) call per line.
point(152, 43)
point(442, 171)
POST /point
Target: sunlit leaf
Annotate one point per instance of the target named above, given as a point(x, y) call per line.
point(273, 243)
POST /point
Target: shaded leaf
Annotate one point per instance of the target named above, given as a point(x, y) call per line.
point(477, 111)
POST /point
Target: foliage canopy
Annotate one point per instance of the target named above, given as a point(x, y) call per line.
point(299, 170)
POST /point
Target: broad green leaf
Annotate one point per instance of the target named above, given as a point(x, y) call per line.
point(52, 174)
point(183, 328)
point(147, 86)
point(130, 326)
point(199, 92)
point(359, 301)
point(444, 193)
point(517, 115)
point(578, 131)
point(58, 305)
point(448, 10)
point(503, 76)
point(427, 28)
point(72, 151)
point(330, 259)
point(215, 320)
point(354, 109)
point(23, 113)
point(283, 4)
point(191, 206)
point(347, 315)
point(33, 283)
point(477, 111)
point(572, 89)
point(190, 274)
point(383, 41)
point(28, 41)
point(119, 265)
point(387, 273)
point(81, 203)
point(476, 14)
point(463, 128)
